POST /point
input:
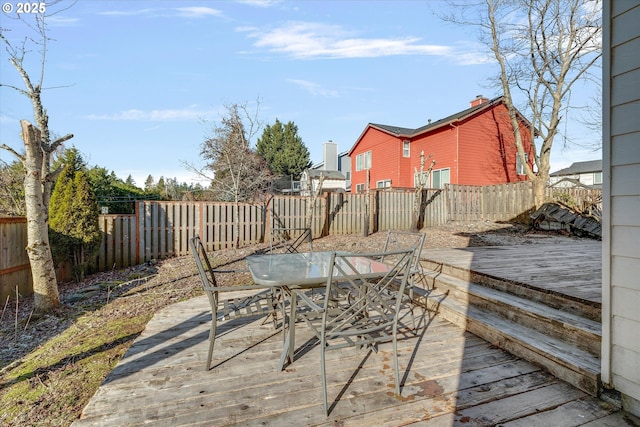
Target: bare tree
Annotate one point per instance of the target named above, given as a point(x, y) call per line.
point(39, 177)
point(543, 48)
point(312, 199)
point(236, 172)
point(421, 183)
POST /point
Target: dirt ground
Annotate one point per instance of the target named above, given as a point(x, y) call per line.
point(175, 279)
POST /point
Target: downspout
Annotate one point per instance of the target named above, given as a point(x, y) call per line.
point(457, 151)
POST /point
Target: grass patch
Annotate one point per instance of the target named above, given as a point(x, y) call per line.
point(52, 384)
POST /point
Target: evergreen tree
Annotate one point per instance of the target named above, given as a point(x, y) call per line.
point(283, 150)
point(12, 189)
point(149, 185)
point(112, 192)
point(73, 216)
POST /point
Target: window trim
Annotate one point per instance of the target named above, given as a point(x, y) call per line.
point(595, 180)
point(519, 166)
point(439, 172)
point(406, 148)
point(386, 183)
point(363, 161)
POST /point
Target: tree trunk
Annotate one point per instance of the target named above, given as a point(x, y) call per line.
point(45, 286)
point(539, 191)
point(311, 200)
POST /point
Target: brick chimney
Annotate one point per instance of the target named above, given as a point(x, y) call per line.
point(478, 100)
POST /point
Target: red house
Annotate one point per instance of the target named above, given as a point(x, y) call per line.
point(475, 146)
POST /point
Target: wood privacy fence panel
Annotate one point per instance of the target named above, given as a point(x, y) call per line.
point(491, 202)
point(581, 198)
point(118, 245)
point(14, 262)
point(507, 201)
point(344, 213)
point(435, 208)
point(291, 212)
point(164, 228)
point(395, 210)
point(465, 202)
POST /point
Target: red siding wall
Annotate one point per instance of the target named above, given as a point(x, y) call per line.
point(487, 149)
point(386, 159)
point(441, 146)
point(477, 151)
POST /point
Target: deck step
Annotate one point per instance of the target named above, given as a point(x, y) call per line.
point(552, 299)
point(526, 328)
point(571, 328)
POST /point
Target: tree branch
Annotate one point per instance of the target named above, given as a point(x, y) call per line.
point(12, 151)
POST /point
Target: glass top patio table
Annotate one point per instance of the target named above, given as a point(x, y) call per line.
point(298, 271)
point(304, 269)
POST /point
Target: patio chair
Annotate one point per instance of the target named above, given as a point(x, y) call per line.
point(263, 303)
point(291, 239)
point(397, 240)
point(360, 309)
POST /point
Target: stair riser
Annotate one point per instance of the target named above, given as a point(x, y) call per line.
point(559, 302)
point(586, 340)
point(586, 381)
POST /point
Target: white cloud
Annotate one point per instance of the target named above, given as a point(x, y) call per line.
point(308, 40)
point(190, 113)
point(260, 3)
point(60, 21)
point(128, 12)
point(197, 12)
point(184, 12)
point(314, 88)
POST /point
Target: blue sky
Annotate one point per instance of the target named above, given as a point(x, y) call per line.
point(137, 81)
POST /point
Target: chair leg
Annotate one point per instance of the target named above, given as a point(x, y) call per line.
point(324, 378)
point(212, 338)
point(397, 367)
point(412, 302)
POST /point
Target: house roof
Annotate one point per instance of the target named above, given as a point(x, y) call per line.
point(315, 173)
point(320, 164)
point(580, 167)
point(411, 133)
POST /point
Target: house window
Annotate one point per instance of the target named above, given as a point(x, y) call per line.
point(348, 175)
point(597, 177)
point(519, 165)
point(439, 178)
point(359, 188)
point(421, 179)
point(363, 161)
point(406, 149)
point(386, 183)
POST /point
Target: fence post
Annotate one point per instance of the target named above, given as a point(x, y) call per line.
point(139, 228)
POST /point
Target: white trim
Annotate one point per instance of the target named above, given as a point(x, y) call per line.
point(605, 348)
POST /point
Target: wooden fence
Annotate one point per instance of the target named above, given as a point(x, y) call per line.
point(162, 229)
point(14, 263)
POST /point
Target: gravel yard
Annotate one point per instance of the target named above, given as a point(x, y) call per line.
point(174, 279)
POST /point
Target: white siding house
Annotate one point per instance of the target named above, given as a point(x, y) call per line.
point(588, 174)
point(621, 198)
point(331, 181)
point(334, 161)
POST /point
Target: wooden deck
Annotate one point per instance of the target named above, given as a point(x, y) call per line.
point(572, 269)
point(451, 377)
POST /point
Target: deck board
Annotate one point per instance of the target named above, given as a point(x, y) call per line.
point(451, 377)
point(573, 269)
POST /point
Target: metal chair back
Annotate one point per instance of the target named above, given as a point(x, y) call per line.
point(263, 303)
point(362, 305)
